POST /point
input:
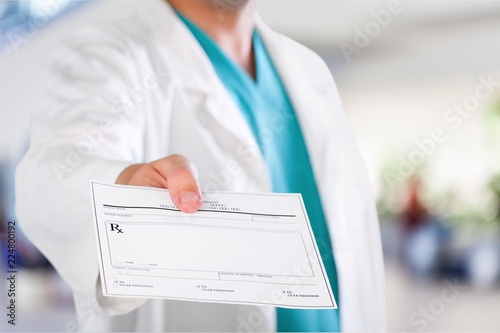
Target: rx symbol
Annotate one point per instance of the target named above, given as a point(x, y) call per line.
point(116, 227)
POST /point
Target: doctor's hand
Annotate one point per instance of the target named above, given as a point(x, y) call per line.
point(174, 172)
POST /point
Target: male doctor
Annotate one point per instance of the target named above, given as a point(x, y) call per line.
point(197, 95)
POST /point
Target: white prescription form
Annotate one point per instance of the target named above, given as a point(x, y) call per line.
point(245, 248)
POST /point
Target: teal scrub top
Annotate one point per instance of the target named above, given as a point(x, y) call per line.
point(270, 115)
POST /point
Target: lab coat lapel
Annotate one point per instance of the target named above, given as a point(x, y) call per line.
point(308, 100)
point(342, 183)
point(192, 71)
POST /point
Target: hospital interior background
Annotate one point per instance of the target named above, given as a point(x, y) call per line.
point(416, 94)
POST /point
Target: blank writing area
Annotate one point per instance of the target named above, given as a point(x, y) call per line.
point(205, 248)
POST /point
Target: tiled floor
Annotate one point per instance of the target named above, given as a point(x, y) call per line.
point(439, 306)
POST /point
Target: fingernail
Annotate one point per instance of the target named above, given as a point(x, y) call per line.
point(189, 198)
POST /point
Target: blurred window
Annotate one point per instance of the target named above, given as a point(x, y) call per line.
point(19, 20)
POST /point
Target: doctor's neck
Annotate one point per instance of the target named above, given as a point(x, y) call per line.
point(230, 23)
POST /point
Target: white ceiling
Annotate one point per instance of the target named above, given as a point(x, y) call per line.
point(326, 22)
point(427, 39)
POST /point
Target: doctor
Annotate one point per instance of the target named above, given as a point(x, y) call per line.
point(196, 96)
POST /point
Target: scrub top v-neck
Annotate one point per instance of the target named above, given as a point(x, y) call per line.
point(269, 113)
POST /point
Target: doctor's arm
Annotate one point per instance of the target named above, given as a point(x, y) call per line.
point(79, 132)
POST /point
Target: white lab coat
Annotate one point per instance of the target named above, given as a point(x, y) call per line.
point(140, 89)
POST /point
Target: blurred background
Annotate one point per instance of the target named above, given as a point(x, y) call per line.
point(409, 83)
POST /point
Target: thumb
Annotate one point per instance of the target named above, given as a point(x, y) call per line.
point(180, 175)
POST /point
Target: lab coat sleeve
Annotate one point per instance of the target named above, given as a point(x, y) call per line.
point(81, 129)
